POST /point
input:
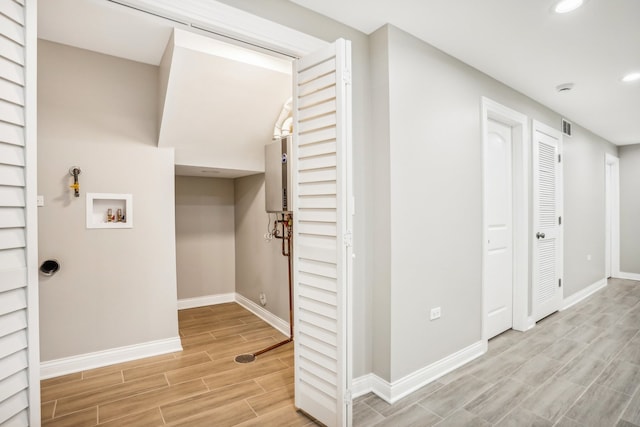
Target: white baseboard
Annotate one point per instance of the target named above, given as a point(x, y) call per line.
point(628, 276)
point(82, 362)
point(362, 385)
point(392, 392)
point(206, 300)
point(585, 293)
point(267, 316)
point(530, 324)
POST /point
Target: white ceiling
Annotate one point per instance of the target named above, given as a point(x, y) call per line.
point(523, 44)
point(519, 42)
point(104, 27)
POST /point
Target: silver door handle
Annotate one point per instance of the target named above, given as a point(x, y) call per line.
point(540, 235)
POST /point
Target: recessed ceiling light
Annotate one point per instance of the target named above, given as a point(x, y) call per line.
point(632, 77)
point(565, 6)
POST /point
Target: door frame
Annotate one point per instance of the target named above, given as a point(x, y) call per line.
point(219, 20)
point(521, 148)
point(31, 209)
point(612, 197)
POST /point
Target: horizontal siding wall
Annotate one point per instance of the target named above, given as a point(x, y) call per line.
point(14, 382)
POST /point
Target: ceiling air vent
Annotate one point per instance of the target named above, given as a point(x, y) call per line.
point(566, 127)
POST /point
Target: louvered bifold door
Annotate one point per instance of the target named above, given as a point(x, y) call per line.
point(322, 236)
point(547, 217)
point(14, 356)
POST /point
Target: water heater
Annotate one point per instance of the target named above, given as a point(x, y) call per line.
point(277, 177)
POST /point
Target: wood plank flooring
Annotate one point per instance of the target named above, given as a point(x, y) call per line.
point(199, 386)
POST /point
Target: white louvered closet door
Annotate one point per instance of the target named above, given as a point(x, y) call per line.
point(322, 233)
point(16, 297)
point(547, 229)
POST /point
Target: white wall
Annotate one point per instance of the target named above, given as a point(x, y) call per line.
point(434, 156)
point(260, 265)
point(630, 208)
point(115, 287)
point(205, 236)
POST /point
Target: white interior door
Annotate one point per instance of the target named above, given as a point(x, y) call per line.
point(322, 233)
point(499, 228)
point(547, 214)
point(19, 358)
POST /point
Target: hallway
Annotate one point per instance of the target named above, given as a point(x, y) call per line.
point(578, 367)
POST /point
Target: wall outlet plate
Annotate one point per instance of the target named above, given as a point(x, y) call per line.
point(263, 299)
point(435, 313)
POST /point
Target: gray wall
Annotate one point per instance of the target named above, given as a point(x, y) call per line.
point(584, 209)
point(381, 289)
point(434, 156)
point(260, 265)
point(630, 208)
point(306, 21)
point(115, 287)
point(205, 236)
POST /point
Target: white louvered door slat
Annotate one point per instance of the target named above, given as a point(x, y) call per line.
point(322, 224)
point(18, 383)
point(11, 323)
point(16, 404)
point(547, 211)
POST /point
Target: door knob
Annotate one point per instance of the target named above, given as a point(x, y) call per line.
point(540, 235)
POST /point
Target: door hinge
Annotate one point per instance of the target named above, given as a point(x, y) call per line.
point(559, 220)
point(559, 158)
point(348, 398)
point(348, 239)
point(559, 283)
point(346, 77)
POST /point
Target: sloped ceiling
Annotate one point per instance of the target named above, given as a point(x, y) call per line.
point(220, 109)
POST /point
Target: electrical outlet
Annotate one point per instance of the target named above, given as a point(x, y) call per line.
point(40, 200)
point(435, 313)
point(263, 299)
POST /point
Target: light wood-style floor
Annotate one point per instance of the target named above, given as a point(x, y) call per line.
point(199, 386)
point(577, 368)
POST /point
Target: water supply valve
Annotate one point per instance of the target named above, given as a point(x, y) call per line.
point(74, 171)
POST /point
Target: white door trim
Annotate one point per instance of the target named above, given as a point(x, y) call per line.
point(613, 253)
point(227, 21)
point(31, 189)
point(521, 158)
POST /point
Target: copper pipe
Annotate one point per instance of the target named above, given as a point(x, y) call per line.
point(287, 234)
point(273, 347)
